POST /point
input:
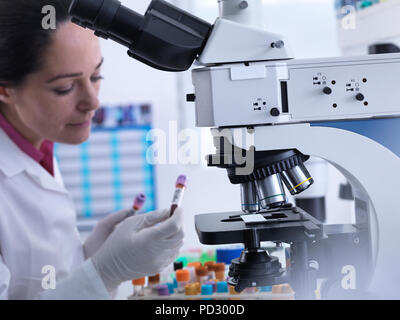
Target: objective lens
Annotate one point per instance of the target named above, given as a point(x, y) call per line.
point(297, 179)
point(270, 192)
point(249, 197)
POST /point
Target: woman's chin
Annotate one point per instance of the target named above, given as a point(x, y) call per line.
point(77, 134)
point(74, 139)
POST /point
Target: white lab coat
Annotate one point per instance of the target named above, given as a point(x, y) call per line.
point(38, 229)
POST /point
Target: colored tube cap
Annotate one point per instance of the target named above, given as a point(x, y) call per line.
point(139, 282)
point(170, 287)
point(163, 290)
point(178, 265)
point(202, 271)
point(219, 267)
point(210, 265)
point(139, 201)
point(198, 287)
point(182, 179)
point(154, 279)
point(206, 289)
point(222, 287)
point(194, 264)
point(191, 290)
point(184, 260)
point(213, 284)
point(182, 275)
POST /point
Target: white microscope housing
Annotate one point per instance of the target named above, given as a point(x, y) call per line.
point(343, 110)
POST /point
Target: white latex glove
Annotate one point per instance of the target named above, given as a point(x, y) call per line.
point(101, 232)
point(140, 246)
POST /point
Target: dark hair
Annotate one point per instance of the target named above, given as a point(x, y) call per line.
point(22, 37)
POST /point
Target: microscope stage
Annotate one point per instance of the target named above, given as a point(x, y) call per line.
point(283, 225)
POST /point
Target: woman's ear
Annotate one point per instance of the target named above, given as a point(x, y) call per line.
point(6, 95)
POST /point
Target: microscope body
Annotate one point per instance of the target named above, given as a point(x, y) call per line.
point(343, 110)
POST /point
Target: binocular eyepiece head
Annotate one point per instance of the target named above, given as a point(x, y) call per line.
point(166, 37)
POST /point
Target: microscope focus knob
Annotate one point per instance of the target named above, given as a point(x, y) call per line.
point(360, 97)
point(275, 112)
point(327, 90)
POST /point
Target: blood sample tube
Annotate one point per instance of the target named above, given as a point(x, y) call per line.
point(202, 274)
point(178, 194)
point(137, 205)
point(152, 283)
point(183, 277)
point(138, 287)
point(219, 269)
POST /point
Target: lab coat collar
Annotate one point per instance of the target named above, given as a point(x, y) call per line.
point(14, 161)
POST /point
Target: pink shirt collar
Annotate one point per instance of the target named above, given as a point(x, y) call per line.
point(44, 156)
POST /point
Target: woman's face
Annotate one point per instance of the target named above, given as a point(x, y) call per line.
point(59, 101)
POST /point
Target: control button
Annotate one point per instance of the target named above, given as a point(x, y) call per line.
point(275, 112)
point(278, 44)
point(360, 97)
point(191, 97)
point(327, 90)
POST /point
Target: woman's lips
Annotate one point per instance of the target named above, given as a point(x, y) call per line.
point(80, 125)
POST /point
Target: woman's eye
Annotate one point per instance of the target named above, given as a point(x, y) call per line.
point(63, 92)
point(96, 79)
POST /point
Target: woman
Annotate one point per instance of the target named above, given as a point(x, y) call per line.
point(49, 85)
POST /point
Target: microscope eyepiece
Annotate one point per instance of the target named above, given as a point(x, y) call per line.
point(166, 37)
point(86, 10)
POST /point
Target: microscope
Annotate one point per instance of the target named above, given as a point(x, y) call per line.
point(270, 113)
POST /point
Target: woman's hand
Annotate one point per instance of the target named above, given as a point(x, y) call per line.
point(101, 232)
point(139, 246)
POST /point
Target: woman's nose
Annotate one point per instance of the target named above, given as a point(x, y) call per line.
point(90, 98)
